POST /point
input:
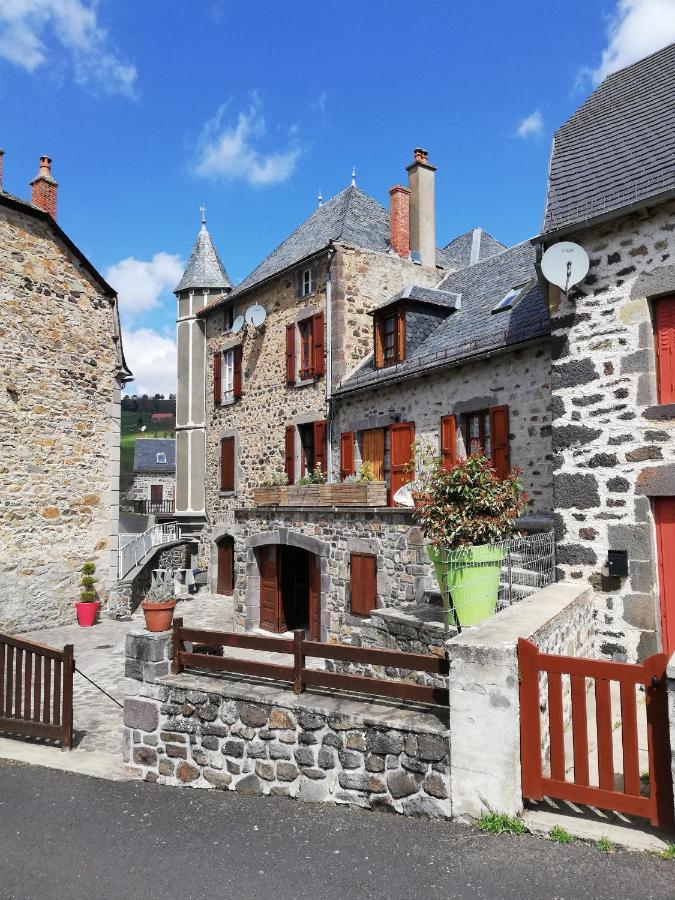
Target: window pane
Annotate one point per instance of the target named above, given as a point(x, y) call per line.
point(488, 437)
point(389, 338)
point(228, 375)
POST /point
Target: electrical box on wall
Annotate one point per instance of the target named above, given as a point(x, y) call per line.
point(617, 563)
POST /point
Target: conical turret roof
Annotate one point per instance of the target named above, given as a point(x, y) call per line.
point(205, 268)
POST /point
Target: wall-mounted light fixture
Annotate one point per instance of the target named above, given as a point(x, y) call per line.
point(393, 415)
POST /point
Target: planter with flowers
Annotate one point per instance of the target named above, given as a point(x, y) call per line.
point(355, 490)
point(273, 491)
point(467, 513)
point(307, 491)
point(88, 605)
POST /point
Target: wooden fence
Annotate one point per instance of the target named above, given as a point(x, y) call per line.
point(299, 675)
point(36, 690)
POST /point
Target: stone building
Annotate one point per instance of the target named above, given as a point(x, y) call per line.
point(153, 485)
point(62, 369)
point(612, 190)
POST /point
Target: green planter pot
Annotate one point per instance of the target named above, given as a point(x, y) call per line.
point(472, 580)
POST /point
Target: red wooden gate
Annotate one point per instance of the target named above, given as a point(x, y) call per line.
point(626, 798)
point(36, 690)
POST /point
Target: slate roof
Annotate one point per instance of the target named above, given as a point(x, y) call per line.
point(145, 455)
point(205, 268)
point(474, 329)
point(420, 294)
point(617, 149)
point(470, 247)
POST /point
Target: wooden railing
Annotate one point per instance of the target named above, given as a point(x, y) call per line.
point(36, 690)
point(147, 507)
point(298, 674)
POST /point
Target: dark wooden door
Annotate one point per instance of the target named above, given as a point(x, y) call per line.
point(664, 514)
point(402, 436)
point(314, 598)
point(226, 566)
point(270, 592)
point(156, 494)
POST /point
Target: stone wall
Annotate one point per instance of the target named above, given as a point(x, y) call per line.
point(143, 481)
point(59, 426)
point(609, 435)
point(521, 379)
point(126, 595)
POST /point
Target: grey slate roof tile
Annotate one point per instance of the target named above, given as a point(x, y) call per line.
point(145, 455)
point(421, 294)
point(205, 268)
point(617, 149)
point(458, 253)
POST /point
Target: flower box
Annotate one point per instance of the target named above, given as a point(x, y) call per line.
point(304, 494)
point(354, 493)
point(270, 495)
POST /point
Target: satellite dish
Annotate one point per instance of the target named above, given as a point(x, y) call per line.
point(255, 315)
point(143, 427)
point(404, 497)
point(237, 325)
point(565, 264)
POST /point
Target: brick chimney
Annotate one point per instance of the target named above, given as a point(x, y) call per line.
point(45, 188)
point(2, 156)
point(421, 178)
point(399, 219)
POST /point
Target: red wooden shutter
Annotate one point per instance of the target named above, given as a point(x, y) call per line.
point(499, 431)
point(270, 599)
point(217, 391)
point(448, 441)
point(227, 464)
point(347, 454)
point(290, 354)
point(314, 598)
point(401, 436)
point(320, 445)
point(362, 583)
point(290, 454)
point(236, 381)
point(317, 350)
point(665, 348)
point(379, 347)
point(664, 517)
point(400, 335)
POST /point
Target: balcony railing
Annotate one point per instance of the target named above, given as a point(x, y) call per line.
point(148, 508)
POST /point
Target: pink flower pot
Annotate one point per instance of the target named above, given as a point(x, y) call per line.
point(86, 613)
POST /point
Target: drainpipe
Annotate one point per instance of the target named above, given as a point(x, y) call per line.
point(329, 366)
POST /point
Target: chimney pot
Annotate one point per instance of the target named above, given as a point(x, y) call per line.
point(420, 155)
point(44, 188)
point(2, 156)
point(399, 219)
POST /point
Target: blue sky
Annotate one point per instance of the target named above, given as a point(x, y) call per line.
point(252, 108)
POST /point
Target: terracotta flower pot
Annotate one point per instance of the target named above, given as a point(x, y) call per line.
point(86, 612)
point(158, 616)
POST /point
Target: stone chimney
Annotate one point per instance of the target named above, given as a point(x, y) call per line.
point(45, 188)
point(2, 156)
point(421, 178)
point(399, 219)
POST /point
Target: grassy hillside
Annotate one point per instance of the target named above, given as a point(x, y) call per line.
point(132, 422)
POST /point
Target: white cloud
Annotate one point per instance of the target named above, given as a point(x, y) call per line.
point(140, 283)
point(152, 358)
point(27, 25)
point(636, 29)
point(531, 125)
point(227, 149)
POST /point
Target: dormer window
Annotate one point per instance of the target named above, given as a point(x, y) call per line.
point(389, 338)
point(307, 282)
point(228, 318)
point(161, 458)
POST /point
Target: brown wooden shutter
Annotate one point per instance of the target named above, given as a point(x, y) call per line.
point(379, 347)
point(362, 583)
point(236, 380)
point(401, 436)
point(320, 445)
point(290, 453)
point(217, 390)
point(314, 598)
point(665, 348)
point(400, 335)
point(347, 455)
point(448, 441)
point(318, 348)
point(499, 431)
point(290, 354)
point(270, 594)
point(227, 464)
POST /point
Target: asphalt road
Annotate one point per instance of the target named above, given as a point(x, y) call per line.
point(64, 835)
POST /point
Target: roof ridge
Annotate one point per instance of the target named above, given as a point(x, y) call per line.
point(670, 46)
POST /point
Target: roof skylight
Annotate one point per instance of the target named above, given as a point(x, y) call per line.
point(509, 299)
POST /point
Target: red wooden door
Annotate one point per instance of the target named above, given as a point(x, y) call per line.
point(402, 436)
point(314, 598)
point(664, 514)
point(226, 566)
point(156, 494)
point(270, 593)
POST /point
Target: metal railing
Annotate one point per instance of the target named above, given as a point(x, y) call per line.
point(148, 507)
point(137, 549)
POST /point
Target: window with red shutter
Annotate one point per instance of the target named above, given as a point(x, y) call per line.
point(320, 445)
point(362, 583)
point(390, 338)
point(236, 378)
point(401, 439)
point(227, 464)
point(664, 321)
point(448, 441)
point(347, 455)
point(217, 389)
point(318, 349)
point(499, 429)
point(289, 453)
point(290, 354)
point(487, 430)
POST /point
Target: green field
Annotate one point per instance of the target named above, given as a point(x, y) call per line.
point(132, 423)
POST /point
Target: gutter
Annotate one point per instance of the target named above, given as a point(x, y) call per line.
point(329, 364)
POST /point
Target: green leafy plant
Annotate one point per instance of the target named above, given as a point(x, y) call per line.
point(605, 845)
point(366, 472)
point(500, 823)
point(668, 853)
point(467, 503)
point(87, 582)
point(560, 836)
point(275, 479)
point(161, 592)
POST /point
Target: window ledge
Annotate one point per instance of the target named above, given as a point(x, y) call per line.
point(227, 493)
point(305, 382)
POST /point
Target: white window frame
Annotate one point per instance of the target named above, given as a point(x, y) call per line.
point(307, 282)
point(161, 458)
point(227, 377)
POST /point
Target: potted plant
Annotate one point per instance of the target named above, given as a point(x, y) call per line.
point(307, 490)
point(467, 512)
point(158, 606)
point(88, 605)
point(272, 491)
point(356, 490)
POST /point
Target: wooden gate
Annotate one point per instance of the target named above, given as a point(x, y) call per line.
point(36, 690)
point(621, 795)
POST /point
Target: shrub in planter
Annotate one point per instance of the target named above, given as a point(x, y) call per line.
point(158, 606)
point(467, 512)
point(88, 605)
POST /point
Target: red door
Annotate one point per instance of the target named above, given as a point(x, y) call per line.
point(664, 514)
point(314, 598)
point(401, 436)
point(226, 566)
point(270, 593)
point(156, 494)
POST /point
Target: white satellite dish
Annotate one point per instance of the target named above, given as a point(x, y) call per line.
point(237, 325)
point(255, 315)
point(143, 427)
point(404, 497)
point(565, 264)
